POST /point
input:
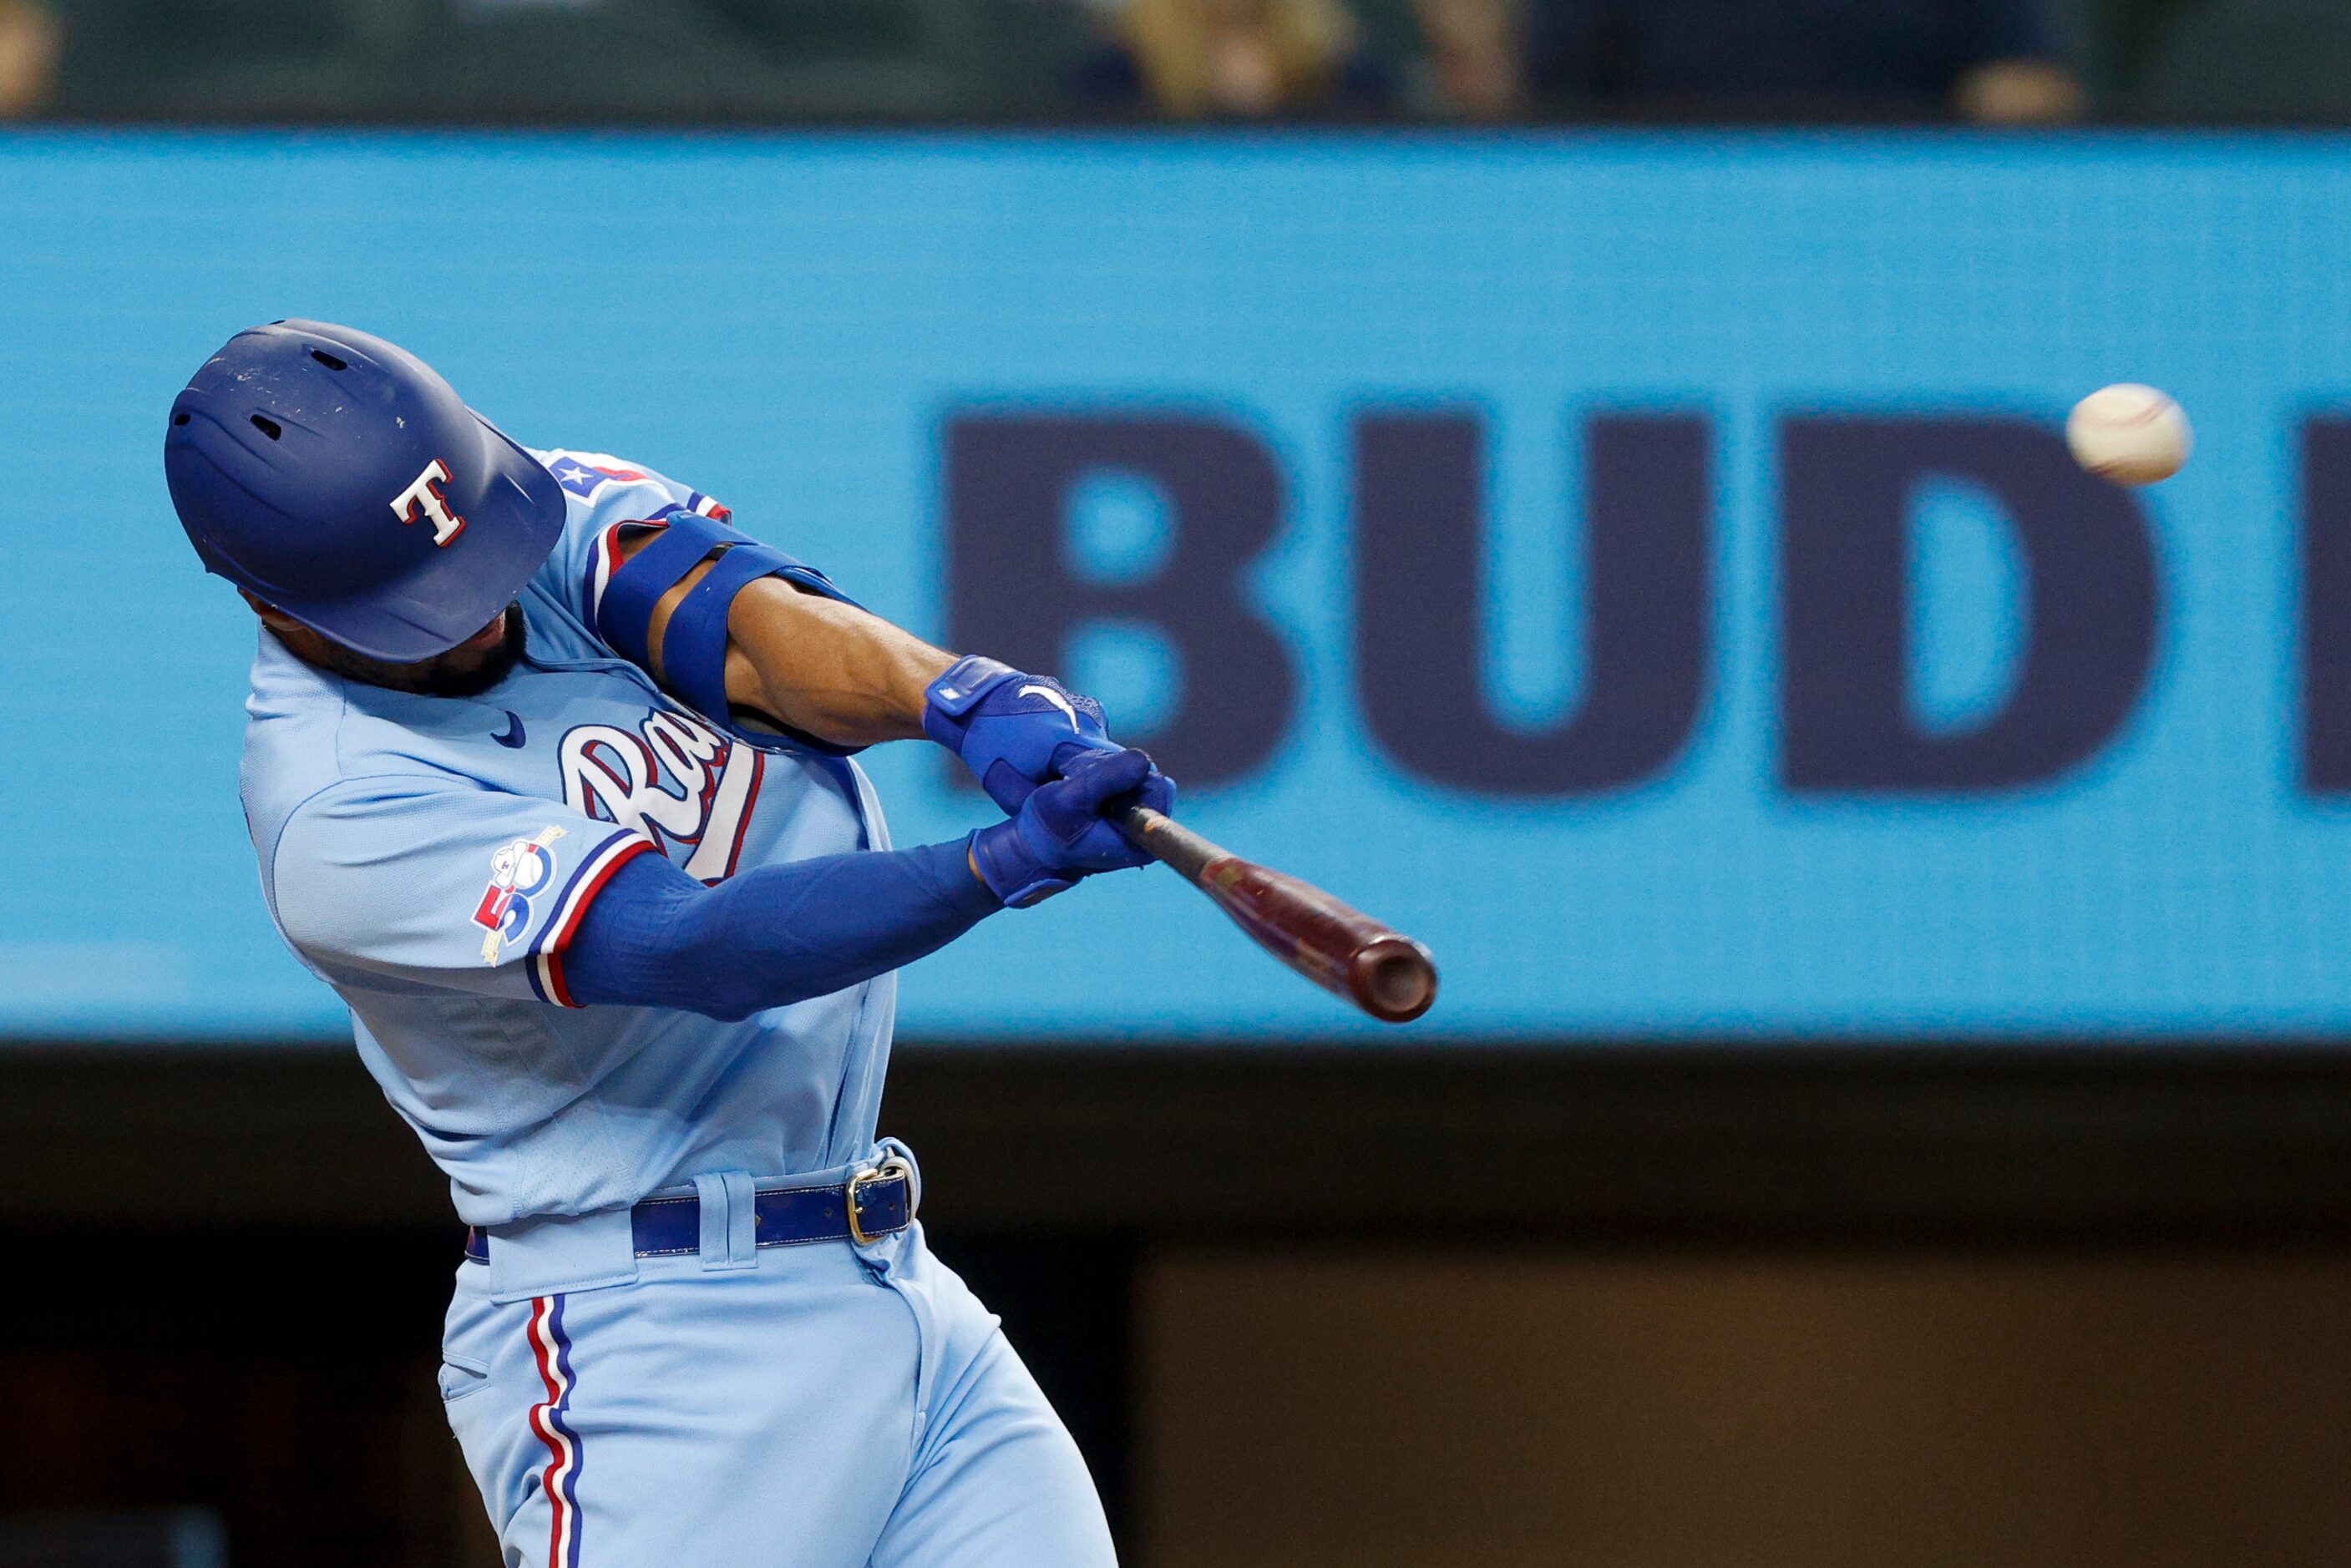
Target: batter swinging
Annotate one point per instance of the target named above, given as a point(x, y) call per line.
point(546, 767)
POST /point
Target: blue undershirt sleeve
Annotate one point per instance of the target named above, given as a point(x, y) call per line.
point(654, 936)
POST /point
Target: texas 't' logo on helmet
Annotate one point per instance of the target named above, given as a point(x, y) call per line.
point(423, 498)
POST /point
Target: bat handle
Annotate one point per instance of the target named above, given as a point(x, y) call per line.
point(1169, 842)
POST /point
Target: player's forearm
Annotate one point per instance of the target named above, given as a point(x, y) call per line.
point(771, 936)
point(827, 669)
point(816, 665)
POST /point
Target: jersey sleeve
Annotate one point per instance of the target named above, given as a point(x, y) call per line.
point(417, 883)
point(605, 493)
point(613, 486)
point(609, 497)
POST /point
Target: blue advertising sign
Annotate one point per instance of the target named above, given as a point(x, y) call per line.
point(1647, 568)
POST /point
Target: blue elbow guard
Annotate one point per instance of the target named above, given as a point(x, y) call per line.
point(694, 644)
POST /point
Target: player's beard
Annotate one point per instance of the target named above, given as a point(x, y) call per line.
point(463, 671)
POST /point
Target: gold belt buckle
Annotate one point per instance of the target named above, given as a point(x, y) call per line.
point(895, 1165)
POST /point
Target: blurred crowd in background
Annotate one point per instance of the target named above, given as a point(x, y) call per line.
point(2005, 62)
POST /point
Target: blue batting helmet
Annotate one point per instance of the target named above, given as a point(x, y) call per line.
point(337, 478)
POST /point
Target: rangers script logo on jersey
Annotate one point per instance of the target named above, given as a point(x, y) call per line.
point(672, 779)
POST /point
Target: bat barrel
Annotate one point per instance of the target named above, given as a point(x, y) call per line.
point(1393, 978)
point(1339, 948)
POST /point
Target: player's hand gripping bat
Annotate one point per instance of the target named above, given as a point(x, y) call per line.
point(1384, 973)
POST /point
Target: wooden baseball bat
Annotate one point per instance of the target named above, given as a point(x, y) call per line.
point(1342, 949)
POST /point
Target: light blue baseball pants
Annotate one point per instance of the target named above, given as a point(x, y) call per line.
point(832, 1407)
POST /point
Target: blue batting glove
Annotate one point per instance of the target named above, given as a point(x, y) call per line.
point(1014, 732)
point(1063, 832)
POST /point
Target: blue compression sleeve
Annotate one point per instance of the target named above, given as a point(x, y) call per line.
point(657, 937)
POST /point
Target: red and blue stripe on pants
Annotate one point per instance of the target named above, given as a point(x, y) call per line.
point(551, 1419)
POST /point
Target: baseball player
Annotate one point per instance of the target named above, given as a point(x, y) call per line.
point(547, 769)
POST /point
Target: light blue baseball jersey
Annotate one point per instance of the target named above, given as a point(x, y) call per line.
point(430, 857)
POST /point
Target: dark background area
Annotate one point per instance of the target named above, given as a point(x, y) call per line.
point(1020, 62)
point(231, 1265)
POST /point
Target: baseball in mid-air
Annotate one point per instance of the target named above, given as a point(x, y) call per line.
point(2128, 433)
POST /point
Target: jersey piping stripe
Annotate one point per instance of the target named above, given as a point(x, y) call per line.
point(552, 1349)
point(546, 966)
point(743, 817)
point(607, 561)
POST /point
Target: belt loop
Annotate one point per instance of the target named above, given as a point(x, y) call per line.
point(890, 1145)
point(730, 1235)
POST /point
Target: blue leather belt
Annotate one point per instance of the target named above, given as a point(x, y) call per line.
point(869, 1205)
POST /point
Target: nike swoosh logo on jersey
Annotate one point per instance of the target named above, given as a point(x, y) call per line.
point(514, 736)
point(1055, 698)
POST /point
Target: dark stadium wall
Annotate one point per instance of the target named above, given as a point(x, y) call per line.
point(1534, 1406)
point(1436, 1307)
